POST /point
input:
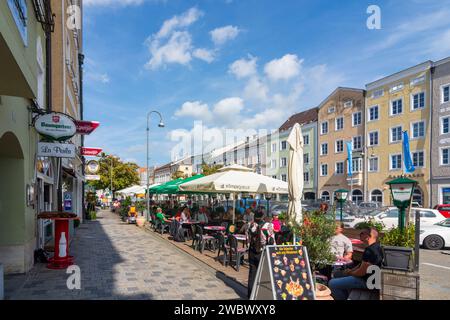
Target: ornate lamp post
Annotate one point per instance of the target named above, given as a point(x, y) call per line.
point(160, 125)
point(227, 196)
point(268, 197)
point(341, 195)
point(401, 192)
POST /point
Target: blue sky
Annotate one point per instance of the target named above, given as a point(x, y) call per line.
point(234, 64)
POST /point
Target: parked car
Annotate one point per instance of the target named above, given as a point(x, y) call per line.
point(437, 236)
point(444, 209)
point(428, 217)
point(279, 208)
point(369, 205)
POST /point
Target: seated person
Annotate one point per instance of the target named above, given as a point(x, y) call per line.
point(248, 218)
point(161, 217)
point(185, 215)
point(201, 216)
point(228, 216)
point(356, 278)
point(276, 222)
point(341, 246)
point(260, 214)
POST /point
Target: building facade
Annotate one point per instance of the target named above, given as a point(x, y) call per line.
point(23, 94)
point(397, 103)
point(341, 120)
point(440, 133)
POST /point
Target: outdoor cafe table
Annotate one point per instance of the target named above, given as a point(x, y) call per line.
point(241, 237)
point(214, 228)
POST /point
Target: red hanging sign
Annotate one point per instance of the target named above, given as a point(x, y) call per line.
point(86, 127)
point(90, 151)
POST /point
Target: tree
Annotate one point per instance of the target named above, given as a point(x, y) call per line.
point(179, 174)
point(124, 174)
point(210, 169)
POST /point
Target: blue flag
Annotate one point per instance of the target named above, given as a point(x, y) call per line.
point(407, 160)
point(350, 158)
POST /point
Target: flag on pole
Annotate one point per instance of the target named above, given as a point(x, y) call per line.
point(350, 158)
point(407, 160)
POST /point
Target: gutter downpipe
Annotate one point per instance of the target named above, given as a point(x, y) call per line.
point(430, 125)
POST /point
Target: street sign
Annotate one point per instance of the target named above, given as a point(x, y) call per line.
point(55, 126)
point(92, 177)
point(92, 167)
point(284, 273)
point(86, 127)
point(90, 151)
point(58, 150)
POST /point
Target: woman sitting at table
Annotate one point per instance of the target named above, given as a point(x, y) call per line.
point(228, 216)
point(185, 215)
point(201, 216)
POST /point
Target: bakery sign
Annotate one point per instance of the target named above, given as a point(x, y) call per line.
point(92, 167)
point(55, 126)
point(58, 150)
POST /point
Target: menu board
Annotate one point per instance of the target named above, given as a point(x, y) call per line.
point(284, 273)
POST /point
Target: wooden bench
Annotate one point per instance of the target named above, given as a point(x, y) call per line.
point(364, 294)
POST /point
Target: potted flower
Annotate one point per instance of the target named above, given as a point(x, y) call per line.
point(398, 248)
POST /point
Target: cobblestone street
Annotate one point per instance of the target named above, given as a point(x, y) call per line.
point(121, 261)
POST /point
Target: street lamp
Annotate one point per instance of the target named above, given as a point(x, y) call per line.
point(160, 125)
point(341, 196)
point(401, 192)
point(111, 176)
point(268, 196)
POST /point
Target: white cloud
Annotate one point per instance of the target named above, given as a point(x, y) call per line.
point(98, 77)
point(229, 106)
point(255, 89)
point(221, 35)
point(177, 22)
point(112, 2)
point(204, 54)
point(194, 109)
point(176, 50)
point(243, 68)
point(284, 68)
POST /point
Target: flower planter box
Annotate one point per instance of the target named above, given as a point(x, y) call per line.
point(399, 285)
point(398, 258)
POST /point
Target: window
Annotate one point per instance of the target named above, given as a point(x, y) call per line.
point(418, 159)
point(395, 162)
point(274, 147)
point(348, 104)
point(357, 118)
point(324, 170)
point(445, 122)
point(324, 149)
point(284, 177)
point(418, 130)
point(357, 143)
point(339, 147)
point(417, 81)
point(325, 196)
point(339, 169)
point(19, 12)
point(396, 88)
point(417, 196)
point(377, 93)
point(283, 162)
point(273, 164)
point(373, 164)
point(445, 93)
point(306, 158)
point(396, 107)
point(324, 128)
point(306, 176)
point(396, 134)
point(357, 196)
point(445, 154)
point(283, 145)
point(339, 123)
point(331, 109)
point(376, 196)
point(306, 139)
point(373, 138)
point(373, 113)
point(274, 177)
point(357, 165)
point(418, 101)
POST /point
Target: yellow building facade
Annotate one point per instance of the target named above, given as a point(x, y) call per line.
point(397, 103)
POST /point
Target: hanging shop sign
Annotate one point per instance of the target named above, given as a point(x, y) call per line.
point(58, 150)
point(55, 126)
point(90, 151)
point(86, 127)
point(92, 177)
point(92, 167)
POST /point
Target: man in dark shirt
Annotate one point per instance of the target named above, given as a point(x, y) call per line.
point(357, 278)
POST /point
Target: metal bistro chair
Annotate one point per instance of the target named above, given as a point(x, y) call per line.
point(236, 252)
point(222, 247)
point(195, 237)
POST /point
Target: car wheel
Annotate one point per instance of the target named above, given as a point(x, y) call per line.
point(433, 242)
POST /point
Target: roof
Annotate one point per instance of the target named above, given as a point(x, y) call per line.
point(303, 117)
point(336, 91)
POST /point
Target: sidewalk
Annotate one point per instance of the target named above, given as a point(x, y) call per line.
point(121, 261)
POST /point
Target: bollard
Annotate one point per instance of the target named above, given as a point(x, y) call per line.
point(2, 287)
